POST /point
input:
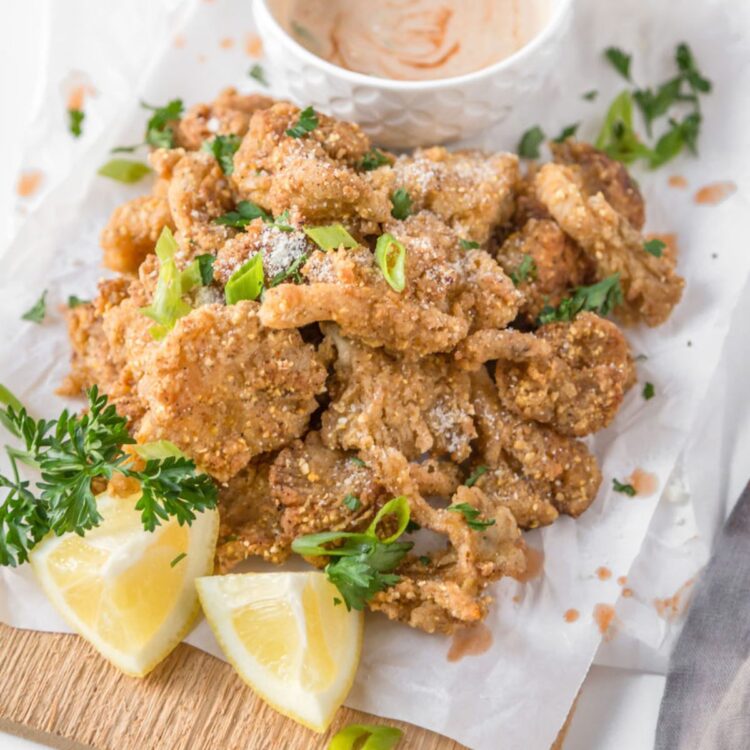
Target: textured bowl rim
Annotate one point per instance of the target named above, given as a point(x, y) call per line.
point(558, 15)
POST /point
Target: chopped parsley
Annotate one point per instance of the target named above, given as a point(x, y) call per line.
point(526, 270)
point(589, 96)
point(124, 170)
point(531, 140)
point(567, 132)
point(159, 129)
point(223, 148)
point(401, 202)
point(362, 562)
point(468, 244)
point(292, 272)
point(649, 391)
point(306, 123)
point(620, 61)
point(352, 502)
point(600, 298)
point(246, 283)
point(424, 559)
point(257, 73)
point(357, 461)
point(373, 159)
point(74, 302)
point(245, 212)
point(471, 515)
point(75, 122)
point(626, 489)
point(390, 255)
point(474, 476)
point(36, 313)
point(178, 559)
point(654, 247)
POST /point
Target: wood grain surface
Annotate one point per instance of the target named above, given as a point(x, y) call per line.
point(54, 688)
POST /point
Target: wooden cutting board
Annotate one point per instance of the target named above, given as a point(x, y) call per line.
point(54, 688)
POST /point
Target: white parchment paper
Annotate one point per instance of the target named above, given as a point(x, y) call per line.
point(518, 693)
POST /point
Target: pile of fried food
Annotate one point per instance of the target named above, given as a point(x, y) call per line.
point(340, 383)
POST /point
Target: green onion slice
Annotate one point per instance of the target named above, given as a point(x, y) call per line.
point(398, 507)
point(390, 255)
point(246, 282)
point(124, 170)
point(378, 737)
point(330, 237)
point(158, 450)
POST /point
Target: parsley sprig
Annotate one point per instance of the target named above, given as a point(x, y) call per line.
point(159, 128)
point(72, 451)
point(306, 123)
point(471, 516)
point(600, 298)
point(363, 562)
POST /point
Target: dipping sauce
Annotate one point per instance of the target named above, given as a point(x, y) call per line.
point(412, 40)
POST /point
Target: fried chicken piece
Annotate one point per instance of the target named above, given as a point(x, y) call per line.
point(572, 376)
point(314, 173)
point(228, 114)
point(558, 265)
point(598, 173)
point(225, 389)
point(448, 292)
point(470, 190)
point(198, 193)
point(651, 288)
point(132, 230)
point(250, 519)
point(379, 399)
point(534, 471)
point(447, 592)
point(309, 482)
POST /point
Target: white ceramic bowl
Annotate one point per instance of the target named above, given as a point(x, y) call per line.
point(404, 114)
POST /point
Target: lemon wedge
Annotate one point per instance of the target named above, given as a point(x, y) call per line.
point(130, 593)
point(287, 639)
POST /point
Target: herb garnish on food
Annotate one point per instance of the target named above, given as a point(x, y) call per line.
point(74, 301)
point(390, 255)
point(72, 451)
point(526, 270)
point(620, 61)
point(36, 313)
point(531, 140)
point(223, 148)
point(600, 298)
point(373, 159)
point(159, 130)
point(626, 489)
point(567, 132)
point(654, 247)
point(468, 244)
point(474, 476)
point(363, 562)
point(256, 72)
point(471, 515)
point(401, 202)
point(75, 122)
point(246, 282)
point(306, 123)
point(330, 237)
point(649, 391)
point(352, 502)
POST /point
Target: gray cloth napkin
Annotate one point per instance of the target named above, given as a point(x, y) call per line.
point(706, 703)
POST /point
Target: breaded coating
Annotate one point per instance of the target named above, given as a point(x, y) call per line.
point(414, 406)
point(225, 389)
point(447, 592)
point(650, 286)
point(310, 482)
point(132, 231)
point(228, 114)
point(449, 291)
point(316, 173)
point(198, 193)
point(534, 471)
point(559, 265)
point(577, 386)
point(250, 519)
point(472, 191)
point(598, 173)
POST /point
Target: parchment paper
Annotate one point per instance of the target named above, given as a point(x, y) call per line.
point(518, 693)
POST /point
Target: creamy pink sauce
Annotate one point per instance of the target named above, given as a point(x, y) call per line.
point(412, 40)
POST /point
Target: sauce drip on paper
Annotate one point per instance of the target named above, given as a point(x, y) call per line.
point(715, 193)
point(470, 642)
point(534, 565)
point(412, 39)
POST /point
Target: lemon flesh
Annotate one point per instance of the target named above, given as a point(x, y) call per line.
point(287, 639)
point(128, 592)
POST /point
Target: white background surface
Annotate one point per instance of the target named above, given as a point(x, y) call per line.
point(618, 708)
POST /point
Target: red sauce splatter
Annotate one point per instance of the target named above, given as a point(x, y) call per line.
point(673, 606)
point(643, 482)
point(603, 574)
point(622, 580)
point(677, 181)
point(571, 615)
point(534, 565)
point(29, 182)
point(604, 617)
point(226, 43)
point(627, 593)
point(180, 41)
point(470, 642)
point(715, 193)
point(253, 45)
